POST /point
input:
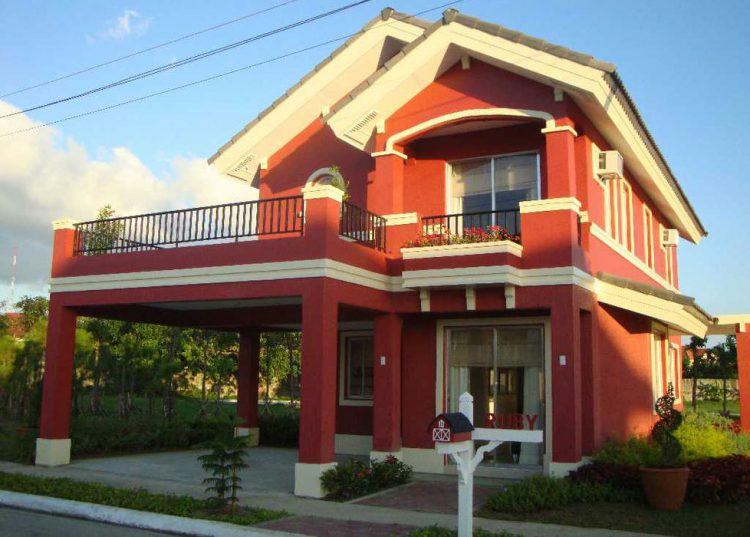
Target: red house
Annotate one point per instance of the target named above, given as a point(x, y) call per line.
point(509, 228)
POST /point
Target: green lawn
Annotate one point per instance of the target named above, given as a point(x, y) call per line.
point(691, 521)
point(715, 406)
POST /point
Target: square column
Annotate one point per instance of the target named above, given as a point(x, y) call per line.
point(248, 364)
point(567, 430)
point(560, 161)
point(743, 374)
point(317, 427)
point(53, 444)
point(386, 433)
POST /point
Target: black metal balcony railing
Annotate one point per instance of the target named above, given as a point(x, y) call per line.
point(455, 224)
point(170, 229)
point(362, 226)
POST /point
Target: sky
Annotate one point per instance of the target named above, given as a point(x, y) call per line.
point(685, 63)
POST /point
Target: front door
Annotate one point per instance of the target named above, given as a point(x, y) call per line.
point(503, 368)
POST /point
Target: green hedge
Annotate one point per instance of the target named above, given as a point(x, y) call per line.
point(540, 493)
point(137, 499)
point(279, 426)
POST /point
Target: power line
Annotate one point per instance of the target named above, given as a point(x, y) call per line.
point(190, 59)
point(149, 49)
point(214, 77)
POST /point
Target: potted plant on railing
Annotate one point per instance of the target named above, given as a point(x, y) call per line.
point(665, 478)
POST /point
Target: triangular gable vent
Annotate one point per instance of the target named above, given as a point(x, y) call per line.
point(245, 168)
point(360, 132)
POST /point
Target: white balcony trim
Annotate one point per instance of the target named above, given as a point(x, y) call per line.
point(452, 250)
point(551, 204)
point(314, 192)
point(497, 275)
point(63, 223)
point(400, 219)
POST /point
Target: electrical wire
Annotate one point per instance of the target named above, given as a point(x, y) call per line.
point(190, 59)
point(150, 49)
point(214, 77)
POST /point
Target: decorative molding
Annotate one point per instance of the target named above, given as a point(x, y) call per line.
point(465, 62)
point(510, 297)
point(463, 115)
point(63, 223)
point(497, 275)
point(314, 192)
point(52, 451)
point(283, 270)
point(550, 204)
point(453, 250)
point(307, 479)
point(471, 298)
point(559, 95)
point(245, 167)
point(560, 128)
point(424, 299)
point(401, 219)
point(607, 239)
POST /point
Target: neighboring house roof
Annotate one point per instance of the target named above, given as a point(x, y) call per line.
point(391, 30)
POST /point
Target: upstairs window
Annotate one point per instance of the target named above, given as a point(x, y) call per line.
point(493, 185)
point(618, 200)
point(658, 354)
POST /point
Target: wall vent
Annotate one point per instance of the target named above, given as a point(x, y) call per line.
point(245, 168)
point(361, 131)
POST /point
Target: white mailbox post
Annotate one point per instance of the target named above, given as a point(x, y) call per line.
point(462, 452)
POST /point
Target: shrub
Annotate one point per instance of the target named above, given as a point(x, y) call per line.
point(724, 480)
point(636, 451)
point(602, 473)
point(356, 478)
point(540, 493)
point(435, 531)
point(279, 426)
point(704, 435)
point(223, 464)
point(137, 499)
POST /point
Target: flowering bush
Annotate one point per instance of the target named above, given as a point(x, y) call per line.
point(356, 478)
point(722, 480)
point(469, 235)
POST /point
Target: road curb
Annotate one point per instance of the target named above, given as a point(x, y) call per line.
point(131, 518)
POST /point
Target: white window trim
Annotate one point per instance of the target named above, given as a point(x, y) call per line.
point(648, 233)
point(677, 373)
point(626, 215)
point(343, 400)
point(491, 158)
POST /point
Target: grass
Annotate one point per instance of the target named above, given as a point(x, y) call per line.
point(137, 499)
point(715, 406)
point(691, 521)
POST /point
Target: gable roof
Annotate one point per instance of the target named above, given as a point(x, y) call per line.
point(384, 34)
point(595, 85)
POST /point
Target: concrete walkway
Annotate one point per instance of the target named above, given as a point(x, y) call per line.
point(268, 483)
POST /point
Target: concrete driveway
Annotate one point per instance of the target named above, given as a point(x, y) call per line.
point(270, 472)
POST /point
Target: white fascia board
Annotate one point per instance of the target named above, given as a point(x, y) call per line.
point(325, 87)
point(310, 268)
point(497, 275)
point(444, 47)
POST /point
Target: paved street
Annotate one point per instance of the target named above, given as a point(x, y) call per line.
point(27, 524)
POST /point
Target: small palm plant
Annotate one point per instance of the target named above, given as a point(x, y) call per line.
point(223, 463)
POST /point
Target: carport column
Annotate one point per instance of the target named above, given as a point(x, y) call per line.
point(567, 420)
point(386, 428)
point(743, 374)
point(318, 393)
point(53, 444)
point(248, 362)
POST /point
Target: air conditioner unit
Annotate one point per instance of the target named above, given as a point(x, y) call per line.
point(670, 237)
point(609, 164)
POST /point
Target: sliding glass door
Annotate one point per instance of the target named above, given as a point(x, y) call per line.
point(503, 368)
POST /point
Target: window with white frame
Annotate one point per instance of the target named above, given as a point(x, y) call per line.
point(356, 367)
point(668, 257)
point(618, 210)
point(658, 352)
point(648, 237)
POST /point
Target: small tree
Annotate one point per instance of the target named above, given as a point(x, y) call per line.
point(696, 344)
point(223, 463)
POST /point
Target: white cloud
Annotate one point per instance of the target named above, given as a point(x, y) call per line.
point(130, 23)
point(44, 176)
